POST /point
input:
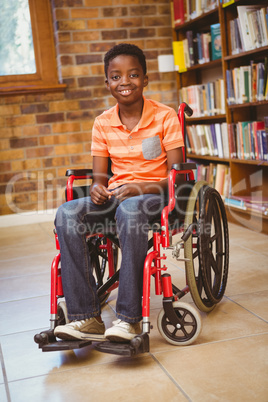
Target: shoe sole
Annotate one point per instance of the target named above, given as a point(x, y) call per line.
point(119, 339)
point(80, 337)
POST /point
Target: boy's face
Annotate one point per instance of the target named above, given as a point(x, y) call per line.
point(125, 79)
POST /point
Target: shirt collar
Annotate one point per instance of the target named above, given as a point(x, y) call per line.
point(146, 118)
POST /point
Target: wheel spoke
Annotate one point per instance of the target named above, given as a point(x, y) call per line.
point(213, 263)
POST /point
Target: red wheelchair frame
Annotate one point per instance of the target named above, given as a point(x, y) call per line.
point(206, 258)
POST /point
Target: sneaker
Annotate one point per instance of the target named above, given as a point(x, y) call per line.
point(89, 329)
point(122, 331)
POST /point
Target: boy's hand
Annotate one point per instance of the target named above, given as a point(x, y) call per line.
point(127, 191)
point(99, 194)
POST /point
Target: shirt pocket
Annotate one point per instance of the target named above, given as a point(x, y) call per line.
point(151, 147)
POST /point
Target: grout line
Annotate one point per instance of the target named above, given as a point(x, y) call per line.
point(251, 312)
point(170, 377)
point(4, 374)
point(3, 278)
point(27, 256)
point(250, 249)
point(24, 298)
point(199, 345)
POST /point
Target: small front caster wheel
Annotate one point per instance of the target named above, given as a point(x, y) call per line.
point(184, 333)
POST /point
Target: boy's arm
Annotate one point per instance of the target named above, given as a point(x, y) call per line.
point(98, 190)
point(159, 187)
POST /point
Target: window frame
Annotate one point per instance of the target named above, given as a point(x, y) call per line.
point(46, 77)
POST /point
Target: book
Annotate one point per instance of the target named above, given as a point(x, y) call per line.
point(178, 7)
point(231, 202)
point(264, 139)
point(186, 53)
point(179, 60)
point(216, 48)
point(189, 36)
point(202, 139)
point(230, 88)
point(245, 26)
point(260, 81)
point(225, 140)
point(219, 140)
point(214, 139)
point(253, 27)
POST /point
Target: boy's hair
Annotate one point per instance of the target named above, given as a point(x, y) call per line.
point(125, 49)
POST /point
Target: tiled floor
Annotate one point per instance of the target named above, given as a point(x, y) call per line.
point(228, 362)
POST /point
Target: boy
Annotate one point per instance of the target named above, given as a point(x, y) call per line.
point(143, 139)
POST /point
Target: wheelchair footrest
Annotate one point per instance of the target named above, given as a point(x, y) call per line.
point(139, 344)
point(64, 345)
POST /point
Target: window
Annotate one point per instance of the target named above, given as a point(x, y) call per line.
point(27, 50)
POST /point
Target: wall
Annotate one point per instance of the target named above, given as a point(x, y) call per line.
point(44, 134)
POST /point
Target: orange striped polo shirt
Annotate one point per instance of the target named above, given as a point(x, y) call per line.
point(138, 155)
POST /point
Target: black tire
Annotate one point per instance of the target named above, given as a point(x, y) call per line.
point(214, 245)
point(192, 249)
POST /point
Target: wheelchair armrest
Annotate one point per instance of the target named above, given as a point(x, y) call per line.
point(79, 172)
point(184, 166)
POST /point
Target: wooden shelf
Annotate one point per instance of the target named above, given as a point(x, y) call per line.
point(203, 119)
point(249, 104)
point(208, 65)
point(247, 176)
point(258, 51)
point(207, 158)
point(258, 162)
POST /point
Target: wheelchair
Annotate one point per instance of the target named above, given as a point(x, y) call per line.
point(202, 226)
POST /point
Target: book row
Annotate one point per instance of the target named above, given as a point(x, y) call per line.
point(208, 139)
point(185, 10)
point(250, 29)
point(197, 48)
point(217, 176)
point(205, 99)
point(248, 140)
point(256, 204)
point(247, 83)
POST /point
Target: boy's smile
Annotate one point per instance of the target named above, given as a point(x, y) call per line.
point(126, 79)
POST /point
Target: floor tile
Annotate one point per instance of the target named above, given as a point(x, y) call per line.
point(254, 302)
point(24, 315)
point(18, 250)
point(1, 363)
point(22, 287)
point(227, 321)
point(233, 342)
point(31, 234)
point(122, 380)
point(3, 394)
point(230, 371)
point(31, 264)
point(257, 242)
point(247, 271)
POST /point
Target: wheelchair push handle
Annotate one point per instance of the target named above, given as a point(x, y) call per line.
point(185, 108)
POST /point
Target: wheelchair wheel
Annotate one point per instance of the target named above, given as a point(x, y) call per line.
point(99, 263)
point(192, 248)
point(214, 245)
point(189, 330)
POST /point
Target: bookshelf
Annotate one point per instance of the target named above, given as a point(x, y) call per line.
point(247, 200)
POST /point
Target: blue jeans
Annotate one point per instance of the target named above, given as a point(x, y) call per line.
point(77, 218)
